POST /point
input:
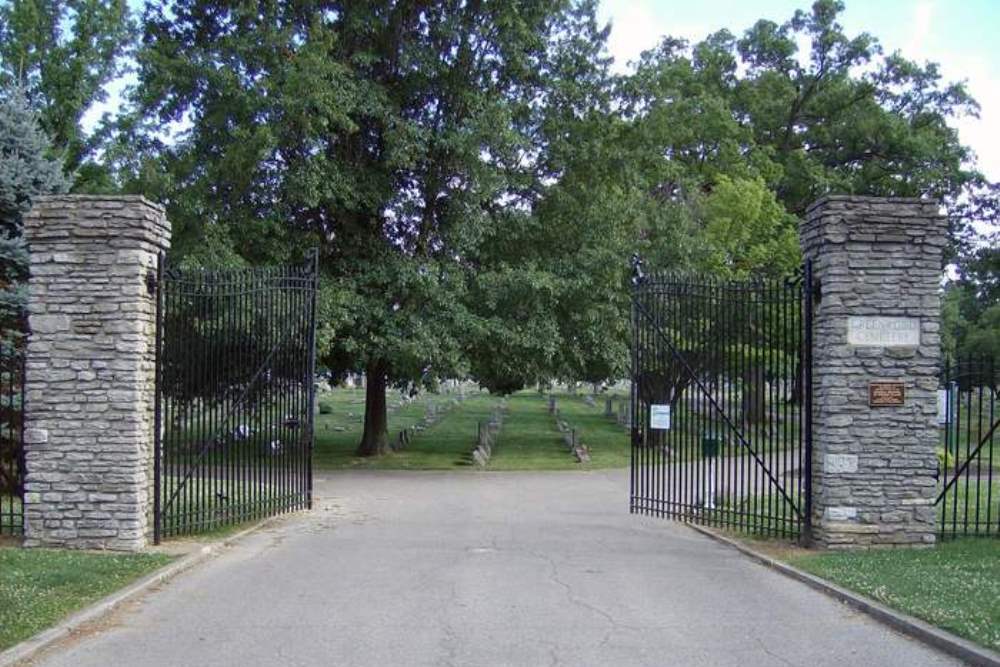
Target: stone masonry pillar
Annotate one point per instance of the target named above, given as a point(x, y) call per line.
point(876, 348)
point(90, 370)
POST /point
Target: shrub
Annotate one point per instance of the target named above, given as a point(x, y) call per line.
point(946, 461)
point(325, 408)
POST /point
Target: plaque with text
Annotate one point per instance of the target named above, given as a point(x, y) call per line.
point(886, 394)
point(883, 331)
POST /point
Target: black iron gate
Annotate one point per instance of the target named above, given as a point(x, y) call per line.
point(721, 402)
point(968, 501)
point(234, 395)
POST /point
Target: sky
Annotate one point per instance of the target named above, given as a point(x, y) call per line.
point(962, 36)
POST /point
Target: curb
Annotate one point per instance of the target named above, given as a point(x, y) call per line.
point(31, 647)
point(942, 640)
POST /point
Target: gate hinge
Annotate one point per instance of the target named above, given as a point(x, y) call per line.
point(151, 282)
point(817, 289)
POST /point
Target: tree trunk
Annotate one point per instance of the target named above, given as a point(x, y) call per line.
point(753, 395)
point(375, 439)
point(796, 396)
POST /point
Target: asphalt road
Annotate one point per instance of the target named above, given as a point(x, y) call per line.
point(484, 569)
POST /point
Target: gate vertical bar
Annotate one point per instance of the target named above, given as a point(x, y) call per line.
point(157, 404)
point(807, 394)
point(311, 383)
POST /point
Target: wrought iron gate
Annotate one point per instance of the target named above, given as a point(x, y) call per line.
point(721, 401)
point(234, 395)
point(968, 501)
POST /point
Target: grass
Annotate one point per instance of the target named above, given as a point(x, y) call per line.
point(529, 439)
point(955, 585)
point(445, 445)
point(40, 587)
point(337, 434)
point(970, 506)
point(606, 440)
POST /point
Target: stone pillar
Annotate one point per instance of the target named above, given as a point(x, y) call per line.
point(90, 370)
point(876, 348)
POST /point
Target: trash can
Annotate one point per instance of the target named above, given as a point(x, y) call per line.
point(709, 446)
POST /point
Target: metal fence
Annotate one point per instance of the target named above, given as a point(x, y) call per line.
point(11, 440)
point(721, 391)
point(968, 502)
point(234, 395)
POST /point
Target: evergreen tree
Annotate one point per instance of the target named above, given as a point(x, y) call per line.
point(63, 53)
point(27, 169)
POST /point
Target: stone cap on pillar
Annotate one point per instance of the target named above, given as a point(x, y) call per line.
point(119, 220)
point(868, 219)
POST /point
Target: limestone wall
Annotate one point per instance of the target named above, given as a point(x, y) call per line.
point(876, 328)
point(90, 370)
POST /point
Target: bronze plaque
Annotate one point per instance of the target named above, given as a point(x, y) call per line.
point(885, 394)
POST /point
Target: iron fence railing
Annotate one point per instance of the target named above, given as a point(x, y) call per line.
point(11, 440)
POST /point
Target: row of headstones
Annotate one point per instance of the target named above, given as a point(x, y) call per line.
point(487, 434)
point(432, 414)
point(570, 439)
point(621, 413)
point(360, 417)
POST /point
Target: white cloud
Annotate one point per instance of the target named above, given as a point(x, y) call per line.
point(634, 29)
point(920, 27)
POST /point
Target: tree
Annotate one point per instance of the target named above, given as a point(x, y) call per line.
point(841, 117)
point(393, 133)
point(63, 53)
point(26, 171)
point(548, 287)
point(971, 304)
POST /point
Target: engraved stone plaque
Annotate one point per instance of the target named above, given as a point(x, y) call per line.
point(840, 463)
point(883, 331)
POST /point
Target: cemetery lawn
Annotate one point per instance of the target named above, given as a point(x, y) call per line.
point(40, 587)
point(528, 438)
point(955, 585)
point(445, 445)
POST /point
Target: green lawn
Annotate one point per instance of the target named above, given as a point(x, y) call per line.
point(603, 436)
point(39, 587)
point(971, 506)
point(445, 445)
point(338, 432)
point(955, 585)
point(529, 439)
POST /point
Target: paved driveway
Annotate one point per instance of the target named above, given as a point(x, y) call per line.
point(485, 569)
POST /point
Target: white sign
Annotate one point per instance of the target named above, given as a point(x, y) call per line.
point(883, 331)
point(659, 417)
point(944, 407)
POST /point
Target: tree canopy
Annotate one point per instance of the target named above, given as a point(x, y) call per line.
point(63, 53)
point(476, 175)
